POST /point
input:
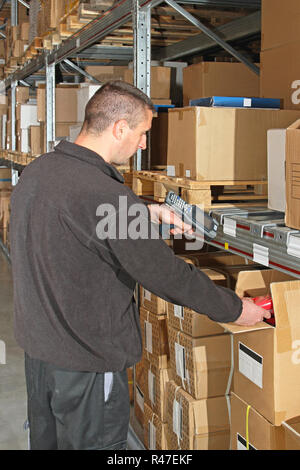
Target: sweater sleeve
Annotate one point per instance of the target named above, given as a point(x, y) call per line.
point(151, 263)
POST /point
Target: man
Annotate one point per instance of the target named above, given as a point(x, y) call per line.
point(74, 277)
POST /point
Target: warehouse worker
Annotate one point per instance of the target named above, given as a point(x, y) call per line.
point(75, 313)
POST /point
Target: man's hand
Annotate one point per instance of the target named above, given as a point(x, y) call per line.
point(161, 213)
point(251, 313)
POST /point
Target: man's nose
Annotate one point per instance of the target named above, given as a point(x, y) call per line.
point(143, 143)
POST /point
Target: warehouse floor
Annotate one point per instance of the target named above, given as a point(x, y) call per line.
point(12, 379)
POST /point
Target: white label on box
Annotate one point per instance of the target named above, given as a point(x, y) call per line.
point(247, 102)
point(177, 419)
point(148, 336)
point(242, 444)
point(139, 398)
point(151, 386)
point(170, 170)
point(180, 360)
point(179, 311)
point(251, 365)
point(152, 436)
point(293, 248)
point(229, 227)
point(147, 295)
point(188, 173)
point(261, 254)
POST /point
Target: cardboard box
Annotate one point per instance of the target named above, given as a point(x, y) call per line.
point(291, 430)
point(24, 31)
point(292, 215)
point(154, 431)
point(35, 140)
point(222, 144)
point(85, 93)
point(104, 73)
point(155, 338)
point(139, 387)
point(276, 169)
point(27, 114)
point(18, 48)
point(155, 389)
point(280, 75)
point(260, 435)
point(5, 178)
point(218, 79)
point(66, 104)
point(22, 94)
point(266, 358)
point(188, 418)
point(202, 366)
point(152, 303)
point(280, 22)
point(160, 81)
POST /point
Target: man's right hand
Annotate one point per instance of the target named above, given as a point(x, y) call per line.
point(251, 313)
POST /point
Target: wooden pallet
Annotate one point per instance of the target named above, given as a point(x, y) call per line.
point(207, 193)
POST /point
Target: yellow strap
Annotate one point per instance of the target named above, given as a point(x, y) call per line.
point(226, 246)
point(247, 426)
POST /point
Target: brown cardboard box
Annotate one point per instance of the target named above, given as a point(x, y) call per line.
point(152, 303)
point(261, 434)
point(155, 338)
point(218, 79)
point(22, 94)
point(24, 31)
point(280, 74)
point(65, 103)
point(188, 418)
point(223, 143)
point(35, 140)
point(280, 22)
point(103, 73)
point(155, 389)
point(291, 430)
point(139, 387)
point(202, 366)
point(18, 48)
point(192, 323)
point(292, 167)
point(154, 431)
point(5, 178)
point(266, 358)
point(160, 81)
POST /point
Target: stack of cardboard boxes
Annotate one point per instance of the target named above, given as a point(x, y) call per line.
point(153, 372)
point(200, 356)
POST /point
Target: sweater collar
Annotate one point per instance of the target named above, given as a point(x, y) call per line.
point(88, 156)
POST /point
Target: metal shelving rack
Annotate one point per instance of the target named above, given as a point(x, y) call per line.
point(255, 233)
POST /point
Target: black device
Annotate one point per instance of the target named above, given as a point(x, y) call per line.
point(193, 215)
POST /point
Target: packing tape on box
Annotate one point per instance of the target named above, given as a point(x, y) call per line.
point(152, 434)
point(247, 426)
point(181, 357)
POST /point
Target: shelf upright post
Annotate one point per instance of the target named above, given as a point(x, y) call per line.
point(50, 105)
point(141, 20)
point(14, 22)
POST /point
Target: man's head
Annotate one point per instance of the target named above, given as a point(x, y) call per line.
point(117, 118)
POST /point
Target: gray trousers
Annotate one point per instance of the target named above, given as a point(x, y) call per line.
point(70, 410)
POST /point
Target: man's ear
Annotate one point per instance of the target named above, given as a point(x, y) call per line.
point(120, 129)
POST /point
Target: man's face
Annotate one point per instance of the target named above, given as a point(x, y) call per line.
point(134, 139)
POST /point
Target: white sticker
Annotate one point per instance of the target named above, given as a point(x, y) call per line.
point(148, 336)
point(151, 386)
point(251, 365)
point(179, 311)
point(242, 443)
point(170, 170)
point(139, 398)
point(261, 254)
point(188, 173)
point(180, 360)
point(177, 419)
point(293, 248)
point(229, 227)
point(247, 102)
point(147, 295)
point(152, 436)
